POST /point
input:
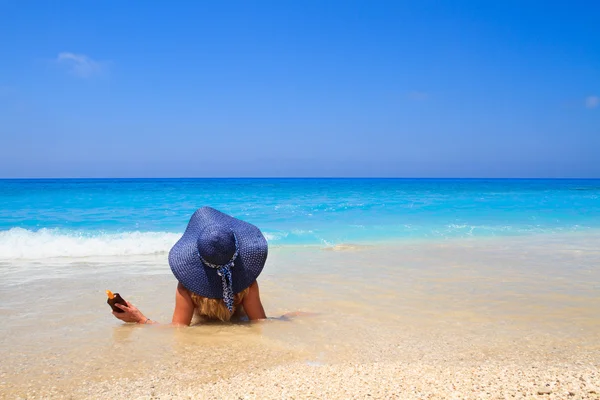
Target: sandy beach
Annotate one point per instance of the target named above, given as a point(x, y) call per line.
point(401, 380)
point(491, 318)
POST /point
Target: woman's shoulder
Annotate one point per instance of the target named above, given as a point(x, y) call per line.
point(183, 291)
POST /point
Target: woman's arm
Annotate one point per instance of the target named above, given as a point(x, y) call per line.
point(131, 314)
point(184, 307)
point(252, 304)
point(184, 310)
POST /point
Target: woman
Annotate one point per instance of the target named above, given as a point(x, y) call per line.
point(216, 262)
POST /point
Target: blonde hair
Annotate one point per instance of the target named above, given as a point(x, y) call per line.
point(216, 308)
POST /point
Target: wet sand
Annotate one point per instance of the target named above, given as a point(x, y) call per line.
point(486, 318)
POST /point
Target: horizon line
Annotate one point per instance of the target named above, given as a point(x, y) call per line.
point(292, 177)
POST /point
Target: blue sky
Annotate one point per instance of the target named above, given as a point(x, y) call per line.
point(300, 88)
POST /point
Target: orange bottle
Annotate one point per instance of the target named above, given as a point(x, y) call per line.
point(115, 298)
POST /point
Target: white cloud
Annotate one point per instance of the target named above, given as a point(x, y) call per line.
point(80, 65)
point(418, 96)
point(592, 101)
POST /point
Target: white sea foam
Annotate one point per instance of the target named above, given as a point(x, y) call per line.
point(301, 232)
point(23, 244)
point(18, 243)
point(274, 236)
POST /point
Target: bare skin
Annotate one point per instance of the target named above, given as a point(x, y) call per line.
point(184, 308)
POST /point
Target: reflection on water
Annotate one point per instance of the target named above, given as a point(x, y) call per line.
point(373, 303)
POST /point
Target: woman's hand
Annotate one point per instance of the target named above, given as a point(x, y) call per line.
point(130, 313)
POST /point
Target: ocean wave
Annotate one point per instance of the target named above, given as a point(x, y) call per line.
point(23, 244)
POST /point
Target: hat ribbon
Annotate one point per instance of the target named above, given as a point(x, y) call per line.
point(224, 271)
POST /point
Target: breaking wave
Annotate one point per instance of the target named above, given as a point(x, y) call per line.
point(18, 243)
point(23, 244)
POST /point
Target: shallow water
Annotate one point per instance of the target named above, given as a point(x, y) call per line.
point(467, 299)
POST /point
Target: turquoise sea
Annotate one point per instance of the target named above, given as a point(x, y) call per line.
point(67, 217)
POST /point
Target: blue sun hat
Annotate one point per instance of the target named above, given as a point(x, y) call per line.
point(218, 255)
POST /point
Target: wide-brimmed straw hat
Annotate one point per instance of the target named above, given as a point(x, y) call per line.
point(218, 255)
